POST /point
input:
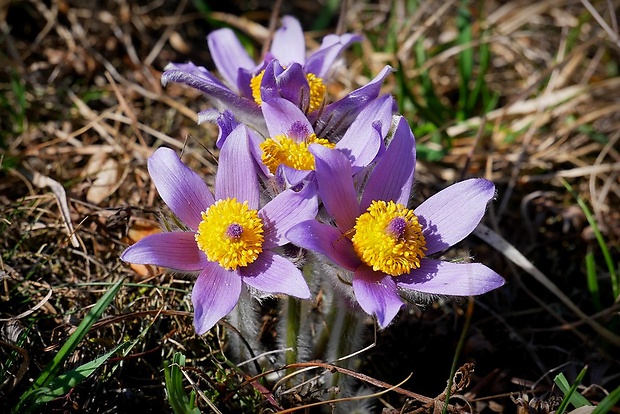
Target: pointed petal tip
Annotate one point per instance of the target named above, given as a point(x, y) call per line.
point(201, 327)
point(453, 279)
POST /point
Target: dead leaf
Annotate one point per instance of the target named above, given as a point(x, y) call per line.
point(139, 229)
point(144, 271)
point(107, 177)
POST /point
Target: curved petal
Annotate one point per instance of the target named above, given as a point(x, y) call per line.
point(272, 273)
point(285, 210)
point(228, 55)
point(269, 85)
point(287, 177)
point(289, 45)
point(336, 117)
point(336, 188)
point(377, 294)
point(245, 110)
point(285, 118)
point(175, 250)
point(447, 278)
point(320, 61)
point(392, 177)
point(293, 86)
point(244, 82)
point(225, 121)
point(363, 139)
point(324, 239)
point(453, 213)
point(180, 187)
point(236, 175)
point(215, 294)
point(192, 75)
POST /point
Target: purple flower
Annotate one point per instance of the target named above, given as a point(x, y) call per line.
point(240, 91)
point(291, 135)
point(228, 240)
point(336, 117)
point(384, 243)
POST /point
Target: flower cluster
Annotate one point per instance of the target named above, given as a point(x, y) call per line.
point(332, 178)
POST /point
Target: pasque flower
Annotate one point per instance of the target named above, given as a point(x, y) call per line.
point(387, 245)
point(291, 134)
point(240, 90)
point(285, 72)
point(229, 240)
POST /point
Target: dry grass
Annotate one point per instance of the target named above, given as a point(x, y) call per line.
point(82, 109)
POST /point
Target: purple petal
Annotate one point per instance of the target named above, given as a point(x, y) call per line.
point(324, 239)
point(225, 121)
point(290, 177)
point(289, 45)
point(393, 175)
point(269, 84)
point(254, 145)
point(192, 75)
point(377, 294)
point(245, 110)
point(292, 85)
point(244, 82)
point(337, 116)
point(446, 278)
point(180, 187)
point(453, 213)
point(228, 55)
point(284, 118)
point(175, 250)
point(215, 294)
point(365, 136)
point(336, 188)
point(274, 274)
point(320, 61)
point(236, 175)
point(285, 210)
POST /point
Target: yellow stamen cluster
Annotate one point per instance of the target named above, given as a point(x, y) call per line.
point(389, 238)
point(255, 86)
point(283, 150)
point(317, 90)
point(230, 233)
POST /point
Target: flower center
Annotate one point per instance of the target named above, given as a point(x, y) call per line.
point(283, 150)
point(389, 238)
point(317, 90)
point(230, 233)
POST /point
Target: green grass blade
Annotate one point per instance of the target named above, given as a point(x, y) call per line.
point(570, 396)
point(434, 110)
point(324, 19)
point(62, 384)
point(480, 86)
point(465, 58)
point(178, 399)
point(608, 403)
point(615, 286)
point(592, 281)
point(50, 371)
point(93, 316)
point(202, 6)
